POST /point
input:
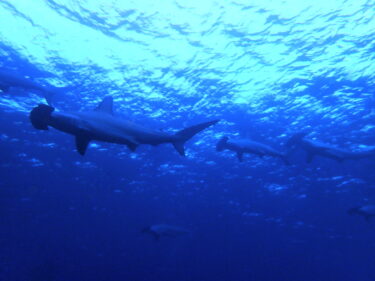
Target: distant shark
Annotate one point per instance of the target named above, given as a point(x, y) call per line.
point(159, 230)
point(10, 80)
point(242, 146)
point(314, 148)
point(101, 125)
point(367, 211)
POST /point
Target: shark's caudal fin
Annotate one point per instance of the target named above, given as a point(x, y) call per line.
point(40, 116)
point(186, 134)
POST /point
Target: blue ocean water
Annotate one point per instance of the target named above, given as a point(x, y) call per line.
point(266, 69)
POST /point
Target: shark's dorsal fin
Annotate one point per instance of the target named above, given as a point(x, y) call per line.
point(81, 143)
point(106, 105)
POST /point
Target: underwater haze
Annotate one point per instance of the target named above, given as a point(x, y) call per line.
point(266, 69)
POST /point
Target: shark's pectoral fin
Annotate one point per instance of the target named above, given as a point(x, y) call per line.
point(240, 156)
point(132, 146)
point(368, 218)
point(156, 236)
point(81, 144)
point(179, 146)
point(309, 157)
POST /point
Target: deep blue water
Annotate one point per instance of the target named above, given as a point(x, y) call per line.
point(267, 69)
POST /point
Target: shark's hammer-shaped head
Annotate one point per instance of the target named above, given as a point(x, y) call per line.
point(40, 116)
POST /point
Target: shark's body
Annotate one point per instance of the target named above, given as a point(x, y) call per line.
point(367, 211)
point(159, 230)
point(10, 80)
point(315, 148)
point(243, 146)
point(102, 125)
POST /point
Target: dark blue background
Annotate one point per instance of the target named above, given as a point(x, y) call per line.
point(78, 223)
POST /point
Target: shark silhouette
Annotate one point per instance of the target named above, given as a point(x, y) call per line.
point(9, 80)
point(102, 125)
point(367, 211)
point(159, 230)
point(316, 148)
point(242, 146)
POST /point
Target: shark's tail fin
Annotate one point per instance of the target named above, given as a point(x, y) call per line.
point(295, 139)
point(184, 135)
point(221, 143)
point(40, 116)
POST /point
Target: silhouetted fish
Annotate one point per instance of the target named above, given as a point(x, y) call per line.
point(102, 125)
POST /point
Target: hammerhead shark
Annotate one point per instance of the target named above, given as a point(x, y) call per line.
point(102, 125)
point(242, 146)
point(314, 148)
point(10, 80)
point(159, 230)
point(367, 211)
